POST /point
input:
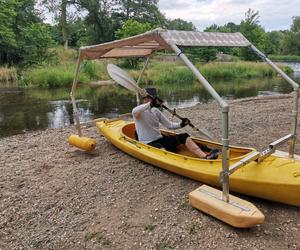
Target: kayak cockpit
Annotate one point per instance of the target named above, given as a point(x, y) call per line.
point(235, 152)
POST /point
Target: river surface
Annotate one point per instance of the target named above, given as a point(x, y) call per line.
point(24, 109)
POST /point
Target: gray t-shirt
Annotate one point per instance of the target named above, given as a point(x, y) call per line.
point(147, 122)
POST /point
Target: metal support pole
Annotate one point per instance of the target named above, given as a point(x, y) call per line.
point(225, 110)
point(295, 100)
point(225, 156)
point(201, 78)
point(72, 95)
point(294, 123)
point(140, 76)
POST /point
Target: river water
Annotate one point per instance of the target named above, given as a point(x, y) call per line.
point(24, 109)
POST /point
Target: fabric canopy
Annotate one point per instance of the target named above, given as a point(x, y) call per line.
point(159, 39)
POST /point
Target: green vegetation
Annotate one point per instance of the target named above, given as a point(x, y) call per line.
point(149, 227)
point(61, 71)
point(32, 46)
point(8, 74)
point(99, 237)
point(238, 70)
point(285, 58)
point(162, 246)
point(167, 72)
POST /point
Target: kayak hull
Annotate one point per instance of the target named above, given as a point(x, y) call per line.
point(275, 178)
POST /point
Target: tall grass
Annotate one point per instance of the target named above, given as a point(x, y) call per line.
point(62, 75)
point(285, 58)
point(8, 74)
point(235, 70)
point(168, 72)
point(51, 77)
point(62, 72)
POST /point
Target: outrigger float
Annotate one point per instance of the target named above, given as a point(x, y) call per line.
point(268, 174)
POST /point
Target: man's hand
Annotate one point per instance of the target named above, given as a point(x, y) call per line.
point(184, 122)
point(155, 103)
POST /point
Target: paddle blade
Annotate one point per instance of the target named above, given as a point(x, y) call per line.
point(122, 78)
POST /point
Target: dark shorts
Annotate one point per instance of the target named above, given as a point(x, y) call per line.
point(170, 142)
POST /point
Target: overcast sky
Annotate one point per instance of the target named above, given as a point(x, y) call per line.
point(274, 14)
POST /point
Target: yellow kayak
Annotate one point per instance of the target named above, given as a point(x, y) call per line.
point(275, 178)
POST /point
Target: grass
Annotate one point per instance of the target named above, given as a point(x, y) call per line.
point(62, 75)
point(62, 71)
point(8, 74)
point(100, 238)
point(240, 69)
point(162, 246)
point(149, 227)
point(168, 72)
point(285, 58)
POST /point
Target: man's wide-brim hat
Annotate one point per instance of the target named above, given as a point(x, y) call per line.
point(152, 92)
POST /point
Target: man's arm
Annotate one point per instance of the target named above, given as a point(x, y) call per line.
point(166, 122)
point(140, 109)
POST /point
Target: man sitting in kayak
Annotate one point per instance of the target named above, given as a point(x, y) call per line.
point(147, 118)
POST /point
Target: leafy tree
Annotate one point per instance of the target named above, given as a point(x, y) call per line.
point(296, 25)
point(142, 11)
point(179, 24)
point(291, 43)
point(132, 28)
point(101, 20)
point(36, 43)
point(7, 35)
point(274, 40)
point(60, 10)
point(232, 27)
point(252, 30)
point(15, 16)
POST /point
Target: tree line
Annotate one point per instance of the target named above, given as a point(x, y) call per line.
point(26, 39)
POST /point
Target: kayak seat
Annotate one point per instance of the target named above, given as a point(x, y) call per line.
point(129, 130)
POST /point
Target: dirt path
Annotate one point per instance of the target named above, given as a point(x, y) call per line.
point(53, 196)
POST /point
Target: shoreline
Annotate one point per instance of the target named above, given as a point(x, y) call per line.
point(56, 196)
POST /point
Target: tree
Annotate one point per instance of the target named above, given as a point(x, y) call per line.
point(291, 41)
point(35, 43)
point(132, 28)
point(252, 30)
point(274, 41)
point(15, 16)
point(296, 25)
point(232, 27)
point(102, 20)
point(179, 24)
point(7, 35)
point(59, 9)
point(142, 11)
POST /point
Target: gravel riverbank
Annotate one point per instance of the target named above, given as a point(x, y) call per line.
point(54, 196)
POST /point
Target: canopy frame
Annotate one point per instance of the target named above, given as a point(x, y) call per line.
point(145, 44)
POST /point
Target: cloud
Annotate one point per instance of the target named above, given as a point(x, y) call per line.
point(203, 13)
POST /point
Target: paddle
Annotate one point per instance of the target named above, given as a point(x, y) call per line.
point(122, 78)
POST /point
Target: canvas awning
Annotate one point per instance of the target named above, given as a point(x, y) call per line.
point(159, 39)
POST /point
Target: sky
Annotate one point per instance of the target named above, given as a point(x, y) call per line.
point(274, 14)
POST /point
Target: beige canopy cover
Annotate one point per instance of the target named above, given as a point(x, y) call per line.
point(160, 39)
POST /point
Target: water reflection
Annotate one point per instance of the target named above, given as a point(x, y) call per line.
point(31, 109)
